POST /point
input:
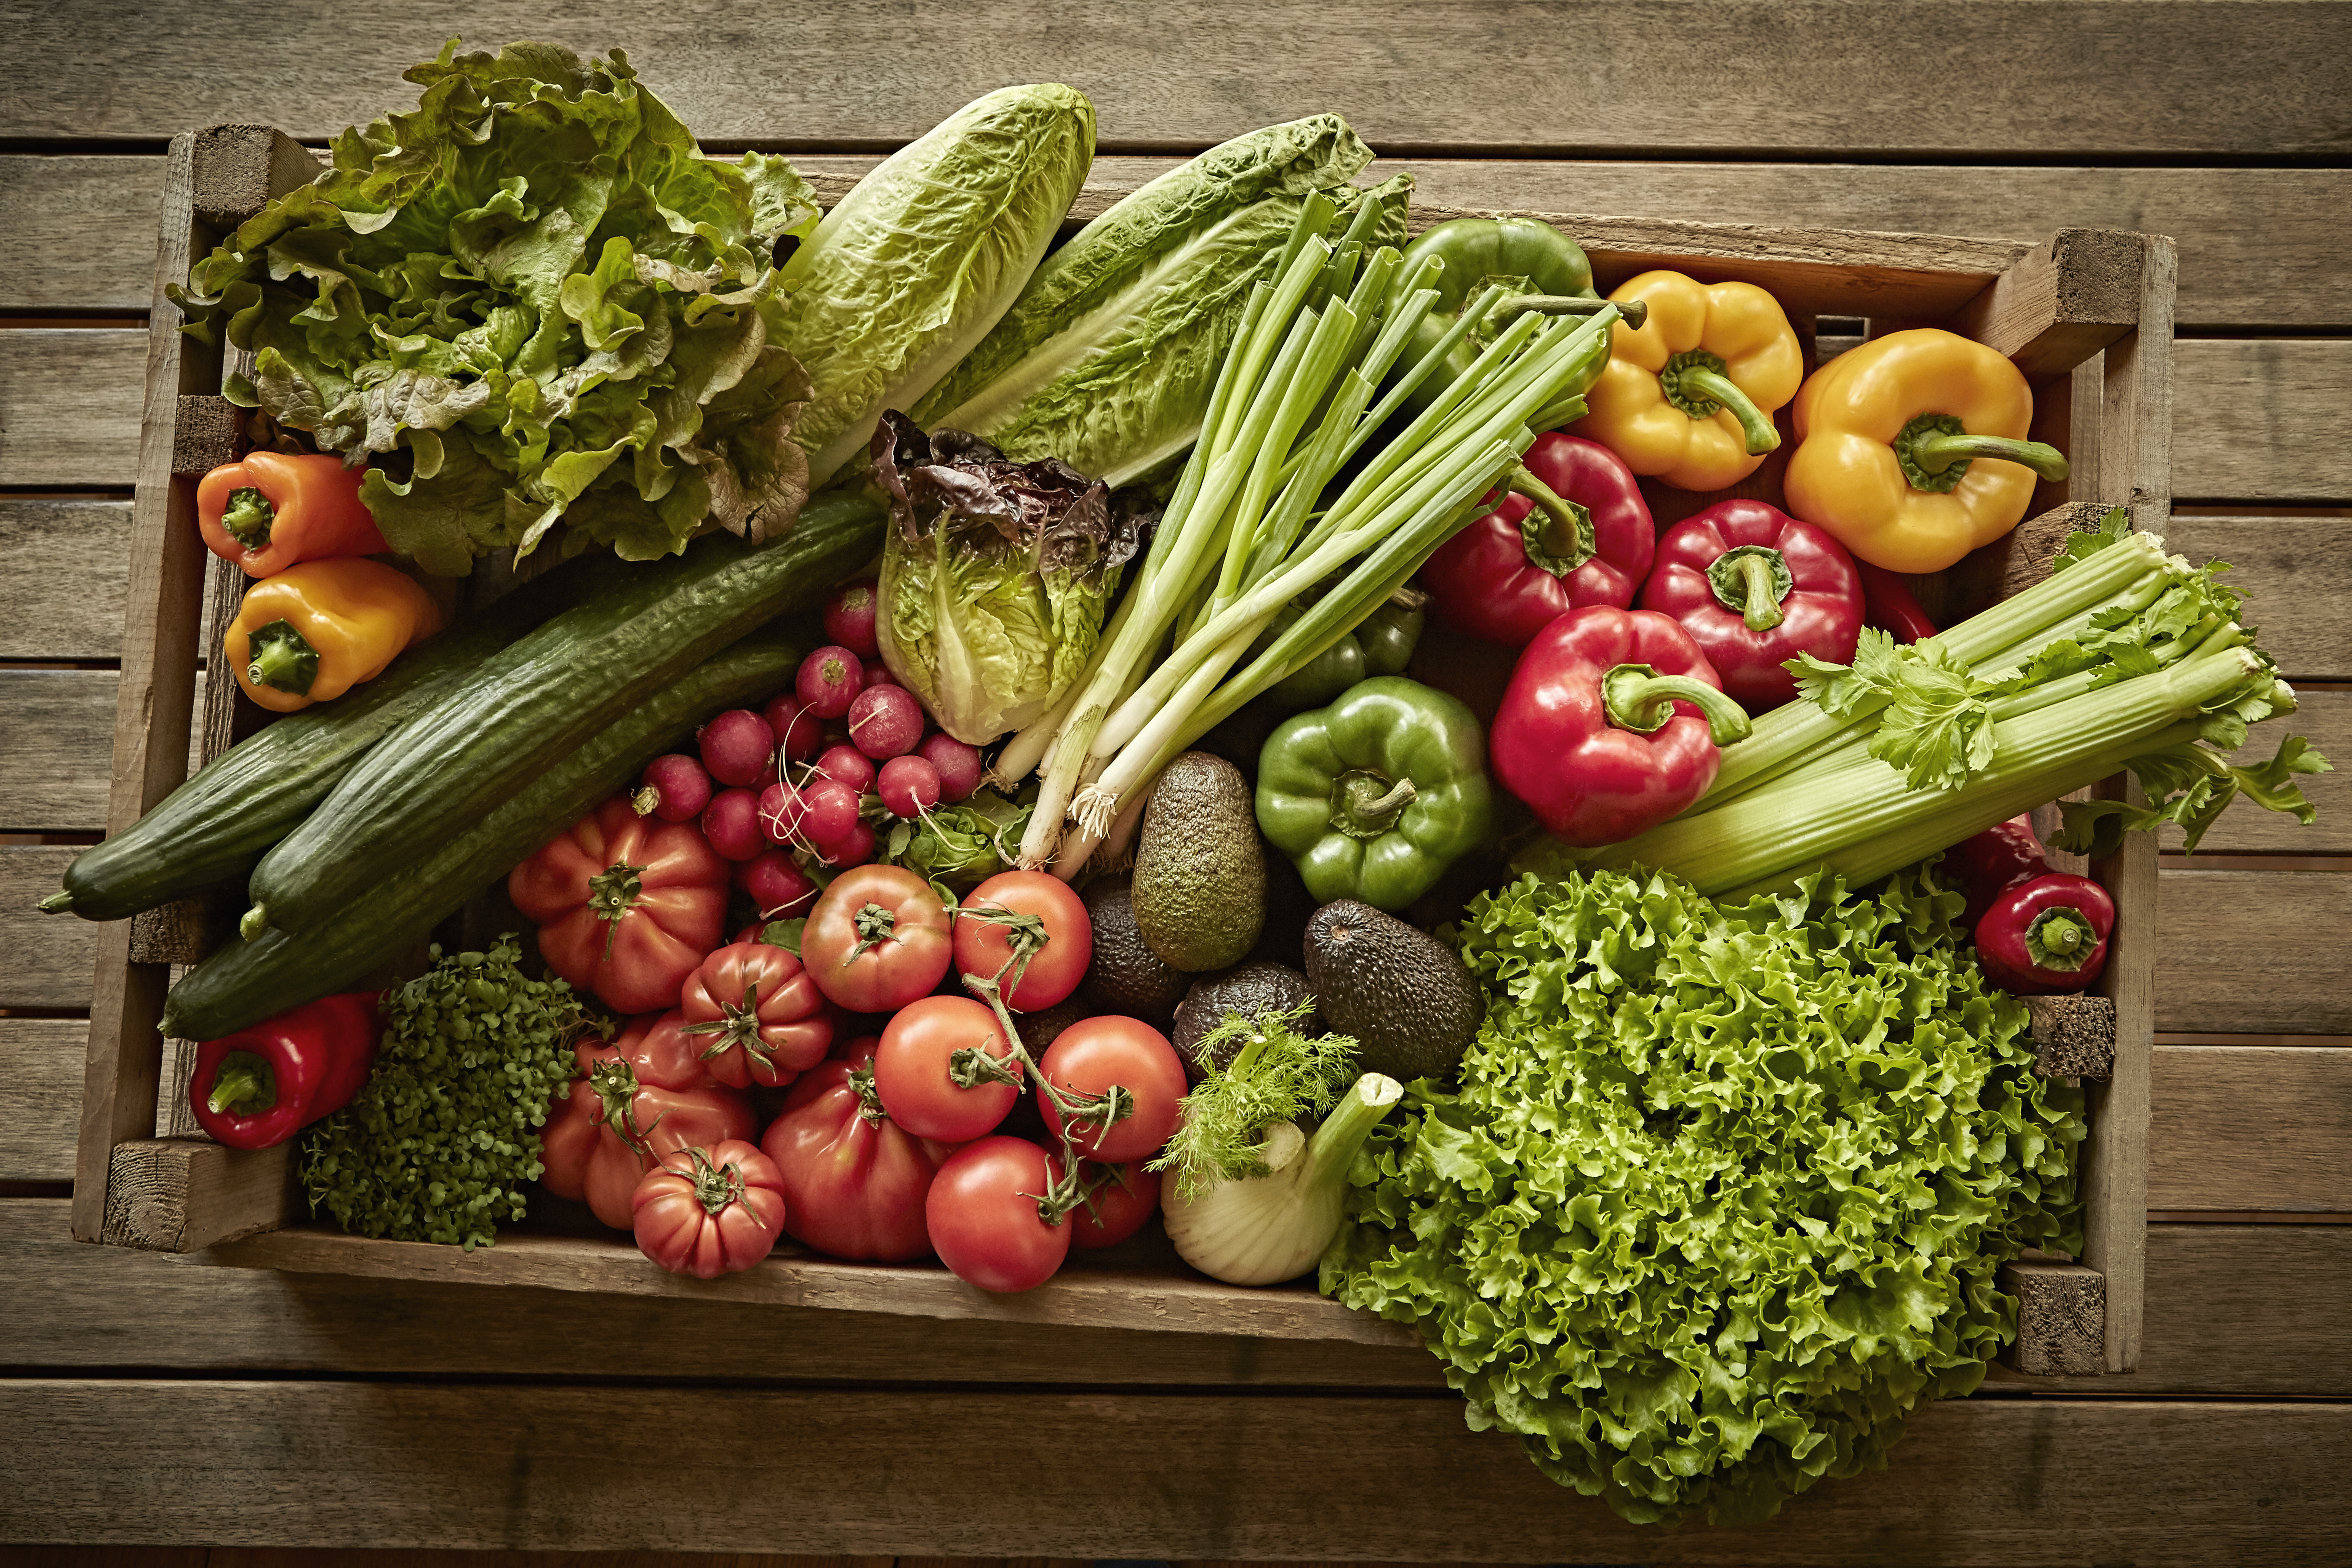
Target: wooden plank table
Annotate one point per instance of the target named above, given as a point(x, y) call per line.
point(203, 1411)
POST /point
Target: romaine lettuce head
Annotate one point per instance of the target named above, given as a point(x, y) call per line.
point(1722, 1193)
point(912, 268)
point(994, 576)
point(532, 301)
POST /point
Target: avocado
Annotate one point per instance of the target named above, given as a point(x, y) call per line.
point(1125, 977)
point(1408, 1000)
point(1287, 905)
point(1252, 989)
point(1200, 871)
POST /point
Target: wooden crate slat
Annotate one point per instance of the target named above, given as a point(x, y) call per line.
point(183, 1195)
point(70, 608)
point(2064, 301)
point(2258, 418)
point(2296, 575)
point(2011, 1480)
point(70, 401)
point(61, 730)
point(2244, 1129)
point(78, 239)
point(2254, 952)
point(2050, 90)
point(50, 957)
point(40, 1097)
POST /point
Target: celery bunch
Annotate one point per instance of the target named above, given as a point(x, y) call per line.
point(2123, 657)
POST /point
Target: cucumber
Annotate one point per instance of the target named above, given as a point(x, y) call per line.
point(216, 826)
point(541, 697)
point(248, 981)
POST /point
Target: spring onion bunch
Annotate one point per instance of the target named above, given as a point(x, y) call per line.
point(2123, 657)
point(1250, 527)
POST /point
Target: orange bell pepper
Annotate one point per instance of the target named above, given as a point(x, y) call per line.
point(1688, 397)
point(1912, 451)
point(320, 627)
point(273, 508)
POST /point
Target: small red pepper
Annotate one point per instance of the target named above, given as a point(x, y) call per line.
point(273, 510)
point(2047, 936)
point(1888, 605)
point(2000, 858)
point(257, 1087)
point(1611, 724)
point(1755, 587)
point(1573, 532)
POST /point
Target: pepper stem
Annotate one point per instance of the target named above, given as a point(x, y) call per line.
point(1557, 531)
point(1632, 312)
point(2060, 940)
point(1366, 803)
point(1696, 382)
point(1752, 579)
point(1935, 450)
point(1641, 700)
point(282, 658)
point(244, 1084)
point(247, 517)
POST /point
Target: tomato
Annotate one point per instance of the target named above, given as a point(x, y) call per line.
point(877, 939)
point(983, 946)
point(853, 1180)
point(981, 1213)
point(1124, 1196)
point(626, 905)
point(759, 1016)
point(651, 1082)
point(1095, 1053)
point(708, 1212)
point(917, 1053)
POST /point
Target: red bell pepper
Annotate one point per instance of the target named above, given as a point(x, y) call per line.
point(2000, 858)
point(1888, 605)
point(1611, 724)
point(646, 1095)
point(257, 1087)
point(2047, 935)
point(1754, 588)
point(1574, 531)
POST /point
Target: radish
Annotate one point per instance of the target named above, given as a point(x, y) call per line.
point(827, 679)
point(738, 747)
point(855, 848)
point(886, 721)
point(676, 788)
point(829, 811)
point(783, 810)
point(909, 787)
point(848, 764)
point(731, 824)
point(800, 735)
point(776, 884)
point(878, 674)
point(849, 618)
point(957, 764)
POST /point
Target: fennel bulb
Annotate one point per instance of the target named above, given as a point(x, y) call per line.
point(1266, 1228)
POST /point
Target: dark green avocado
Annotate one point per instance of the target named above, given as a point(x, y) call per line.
point(1252, 989)
point(1125, 977)
point(1404, 995)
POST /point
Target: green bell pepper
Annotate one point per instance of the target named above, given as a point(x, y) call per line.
point(1542, 270)
point(1374, 796)
point(1381, 644)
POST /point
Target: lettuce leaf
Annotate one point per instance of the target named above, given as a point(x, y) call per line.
point(531, 302)
point(1721, 1195)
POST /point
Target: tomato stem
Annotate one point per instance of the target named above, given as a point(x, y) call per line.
point(1072, 1108)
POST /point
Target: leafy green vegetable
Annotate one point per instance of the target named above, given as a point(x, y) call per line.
point(438, 1143)
point(1107, 359)
point(1722, 1194)
point(994, 576)
point(907, 273)
point(533, 301)
point(1279, 1074)
point(960, 846)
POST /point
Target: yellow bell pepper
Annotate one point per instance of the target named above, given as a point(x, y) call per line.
point(1912, 451)
point(1688, 398)
point(320, 627)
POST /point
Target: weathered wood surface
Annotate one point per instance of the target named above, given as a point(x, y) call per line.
point(2324, 719)
point(49, 957)
point(182, 1195)
point(59, 725)
point(2062, 1310)
point(2255, 80)
point(2296, 574)
point(2254, 952)
point(69, 402)
point(50, 545)
point(2258, 246)
point(2243, 1129)
point(40, 1097)
point(1261, 1476)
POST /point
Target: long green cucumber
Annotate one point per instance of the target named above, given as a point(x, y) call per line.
point(217, 824)
point(542, 696)
point(248, 981)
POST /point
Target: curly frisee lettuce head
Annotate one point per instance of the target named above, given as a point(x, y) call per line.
point(1721, 1197)
point(532, 301)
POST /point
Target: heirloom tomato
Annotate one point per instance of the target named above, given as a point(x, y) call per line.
point(853, 1180)
point(626, 905)
point(708, 1212)
point(878, 939)
point(759, 1016)
point(646, 1095)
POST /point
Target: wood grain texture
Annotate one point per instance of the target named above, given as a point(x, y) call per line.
point(49, 957)
point(69, 400)
point(2061, 1311)
point(2253, 953)
point(61, 730)
point(2246, 79)
point(2255, 416)
point(2114, 1161)
point(183, 1195)
point(2296, 575)
point(40, 1096)
point(2018, 1481)
point(2060, 304)
point(62, 598)
point(2250, 1128)
point(2258, 246)
point(2324, 718)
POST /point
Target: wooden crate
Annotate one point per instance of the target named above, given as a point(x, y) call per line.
point(2086, 315)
